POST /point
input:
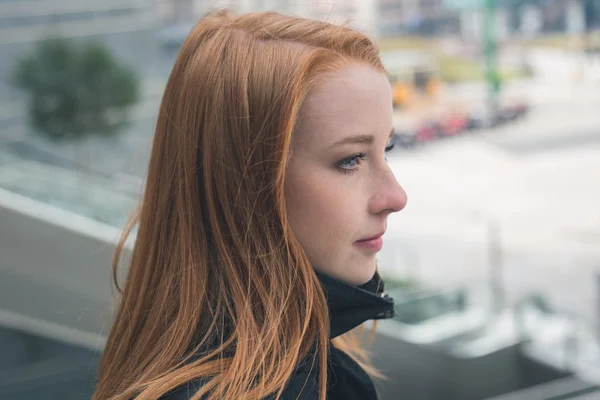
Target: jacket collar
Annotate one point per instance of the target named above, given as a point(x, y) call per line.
point(349, 306)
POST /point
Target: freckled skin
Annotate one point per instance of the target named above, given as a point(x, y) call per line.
point(334, 201)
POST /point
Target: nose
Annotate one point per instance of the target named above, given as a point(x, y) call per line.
point(389, 197)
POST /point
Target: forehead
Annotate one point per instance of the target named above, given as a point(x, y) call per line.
point(355, 100)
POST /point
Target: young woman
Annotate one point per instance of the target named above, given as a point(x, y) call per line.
point(266, 200)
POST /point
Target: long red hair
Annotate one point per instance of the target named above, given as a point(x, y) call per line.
point(218, 287)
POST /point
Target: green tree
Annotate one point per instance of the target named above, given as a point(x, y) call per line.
point(75, 91)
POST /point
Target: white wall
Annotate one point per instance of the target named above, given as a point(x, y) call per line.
point(54, 271)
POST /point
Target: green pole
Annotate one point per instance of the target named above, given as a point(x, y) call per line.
point(493, 86)
point(489, 51)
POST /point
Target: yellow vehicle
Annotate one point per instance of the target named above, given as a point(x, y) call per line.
point(412, 74)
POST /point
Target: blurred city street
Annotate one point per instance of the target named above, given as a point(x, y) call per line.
point(536, 180)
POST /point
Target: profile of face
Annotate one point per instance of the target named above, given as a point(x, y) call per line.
point(339, 188)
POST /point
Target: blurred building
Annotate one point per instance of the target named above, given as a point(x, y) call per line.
point(527, 18)
point(363, 13)
point(377, 18)
point(391, 17)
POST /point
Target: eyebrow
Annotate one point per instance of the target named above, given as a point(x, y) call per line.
point(358, 139)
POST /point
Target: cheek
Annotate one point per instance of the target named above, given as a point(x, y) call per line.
point(316, 206)
point(308, 199)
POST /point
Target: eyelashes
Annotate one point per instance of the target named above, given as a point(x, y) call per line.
point(350, 164)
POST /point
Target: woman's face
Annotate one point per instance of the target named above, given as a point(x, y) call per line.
point(339, 187)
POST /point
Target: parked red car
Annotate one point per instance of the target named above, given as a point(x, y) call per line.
point(454, 124)
point(427, 132)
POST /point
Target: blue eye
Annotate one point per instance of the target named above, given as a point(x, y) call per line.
point(350, 164)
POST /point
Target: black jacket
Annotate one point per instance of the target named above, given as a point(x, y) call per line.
point(349, 306)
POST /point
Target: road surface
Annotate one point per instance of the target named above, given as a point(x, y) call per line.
point(538, 181)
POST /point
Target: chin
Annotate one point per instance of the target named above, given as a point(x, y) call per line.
point(363, 274)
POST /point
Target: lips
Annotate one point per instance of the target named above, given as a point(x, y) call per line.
point(371, 244)
point(380, 234)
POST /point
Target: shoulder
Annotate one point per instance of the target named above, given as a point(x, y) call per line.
point(303, 385)
point(184, 392)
